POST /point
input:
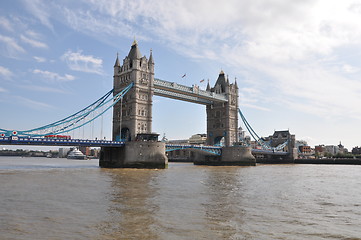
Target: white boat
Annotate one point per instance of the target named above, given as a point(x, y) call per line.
point(76, 154)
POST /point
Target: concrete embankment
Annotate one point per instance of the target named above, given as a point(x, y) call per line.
point(349, 161)
point(345, 161)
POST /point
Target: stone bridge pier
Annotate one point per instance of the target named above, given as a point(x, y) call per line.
point(231, 156)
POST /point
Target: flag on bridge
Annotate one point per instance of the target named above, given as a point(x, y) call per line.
point(184, 75)
point(201, 80)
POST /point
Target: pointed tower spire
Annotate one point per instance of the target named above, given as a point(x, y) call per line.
point(151, 57)
point(208, 87)
point(235, 82)
point(134, 52)
point(221, 82)
point(117, 64)
point(151, 61)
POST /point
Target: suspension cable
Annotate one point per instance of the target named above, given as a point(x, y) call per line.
point(256, 137)
point(72, 122)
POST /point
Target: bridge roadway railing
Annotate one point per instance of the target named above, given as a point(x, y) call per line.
point(15, 140)
point(268, 152)
point(215, 150)
point(191, 94)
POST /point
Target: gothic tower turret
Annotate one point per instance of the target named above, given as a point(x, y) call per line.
point(222, 118)
point(133, 114)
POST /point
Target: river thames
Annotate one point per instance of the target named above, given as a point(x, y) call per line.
point(44, 198)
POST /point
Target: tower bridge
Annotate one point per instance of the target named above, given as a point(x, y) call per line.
point(132, 116)
point(133, 143)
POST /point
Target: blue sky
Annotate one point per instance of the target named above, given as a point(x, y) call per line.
point(297, 63)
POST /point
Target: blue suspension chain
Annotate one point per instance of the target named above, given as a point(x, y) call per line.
point(256, 137)
point(75, 118)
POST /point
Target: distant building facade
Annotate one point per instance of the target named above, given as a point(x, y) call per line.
point(305, 149)
point(320, 151)
point(356, 150)
point(186, 155)
point(331, 149)
point(198, 139)
point(85, 150)
point(63, 152)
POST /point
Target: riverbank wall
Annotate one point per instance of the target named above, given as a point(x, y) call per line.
point(345, 161)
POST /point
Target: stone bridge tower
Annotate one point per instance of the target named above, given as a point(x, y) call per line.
point(222, 118)
point(133, 114)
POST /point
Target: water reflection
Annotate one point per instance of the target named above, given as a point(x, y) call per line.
point(131, 210)
point(224, 213)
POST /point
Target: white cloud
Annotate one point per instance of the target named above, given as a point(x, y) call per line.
point(40, 11)
point(350, 69)
point(284, 31)
point(32, 103)
point(55, 77)
point(33, 34)
point(5, 23)
point(43, 89)
point(33, 43)
point(291, 50)
point(254, 106)
point(6, 73)
point(3, 89)
point(10, 47)
point(39, 59)
point(84, 63)
point(313, 89)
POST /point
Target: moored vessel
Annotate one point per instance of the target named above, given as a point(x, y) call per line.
point(76, 154)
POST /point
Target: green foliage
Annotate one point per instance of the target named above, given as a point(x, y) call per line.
point(344, 155)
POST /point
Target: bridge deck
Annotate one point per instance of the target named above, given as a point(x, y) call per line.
point(268, 152)
point(185, 93)
point(14, 140)
point(214, 150)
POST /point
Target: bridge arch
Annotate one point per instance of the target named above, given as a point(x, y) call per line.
point(219, 141)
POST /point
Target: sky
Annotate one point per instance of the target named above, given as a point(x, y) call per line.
point(297, 63)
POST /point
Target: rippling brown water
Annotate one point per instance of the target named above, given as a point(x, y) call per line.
point(66, 199)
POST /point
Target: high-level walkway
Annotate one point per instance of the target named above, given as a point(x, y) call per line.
point(190, 94)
